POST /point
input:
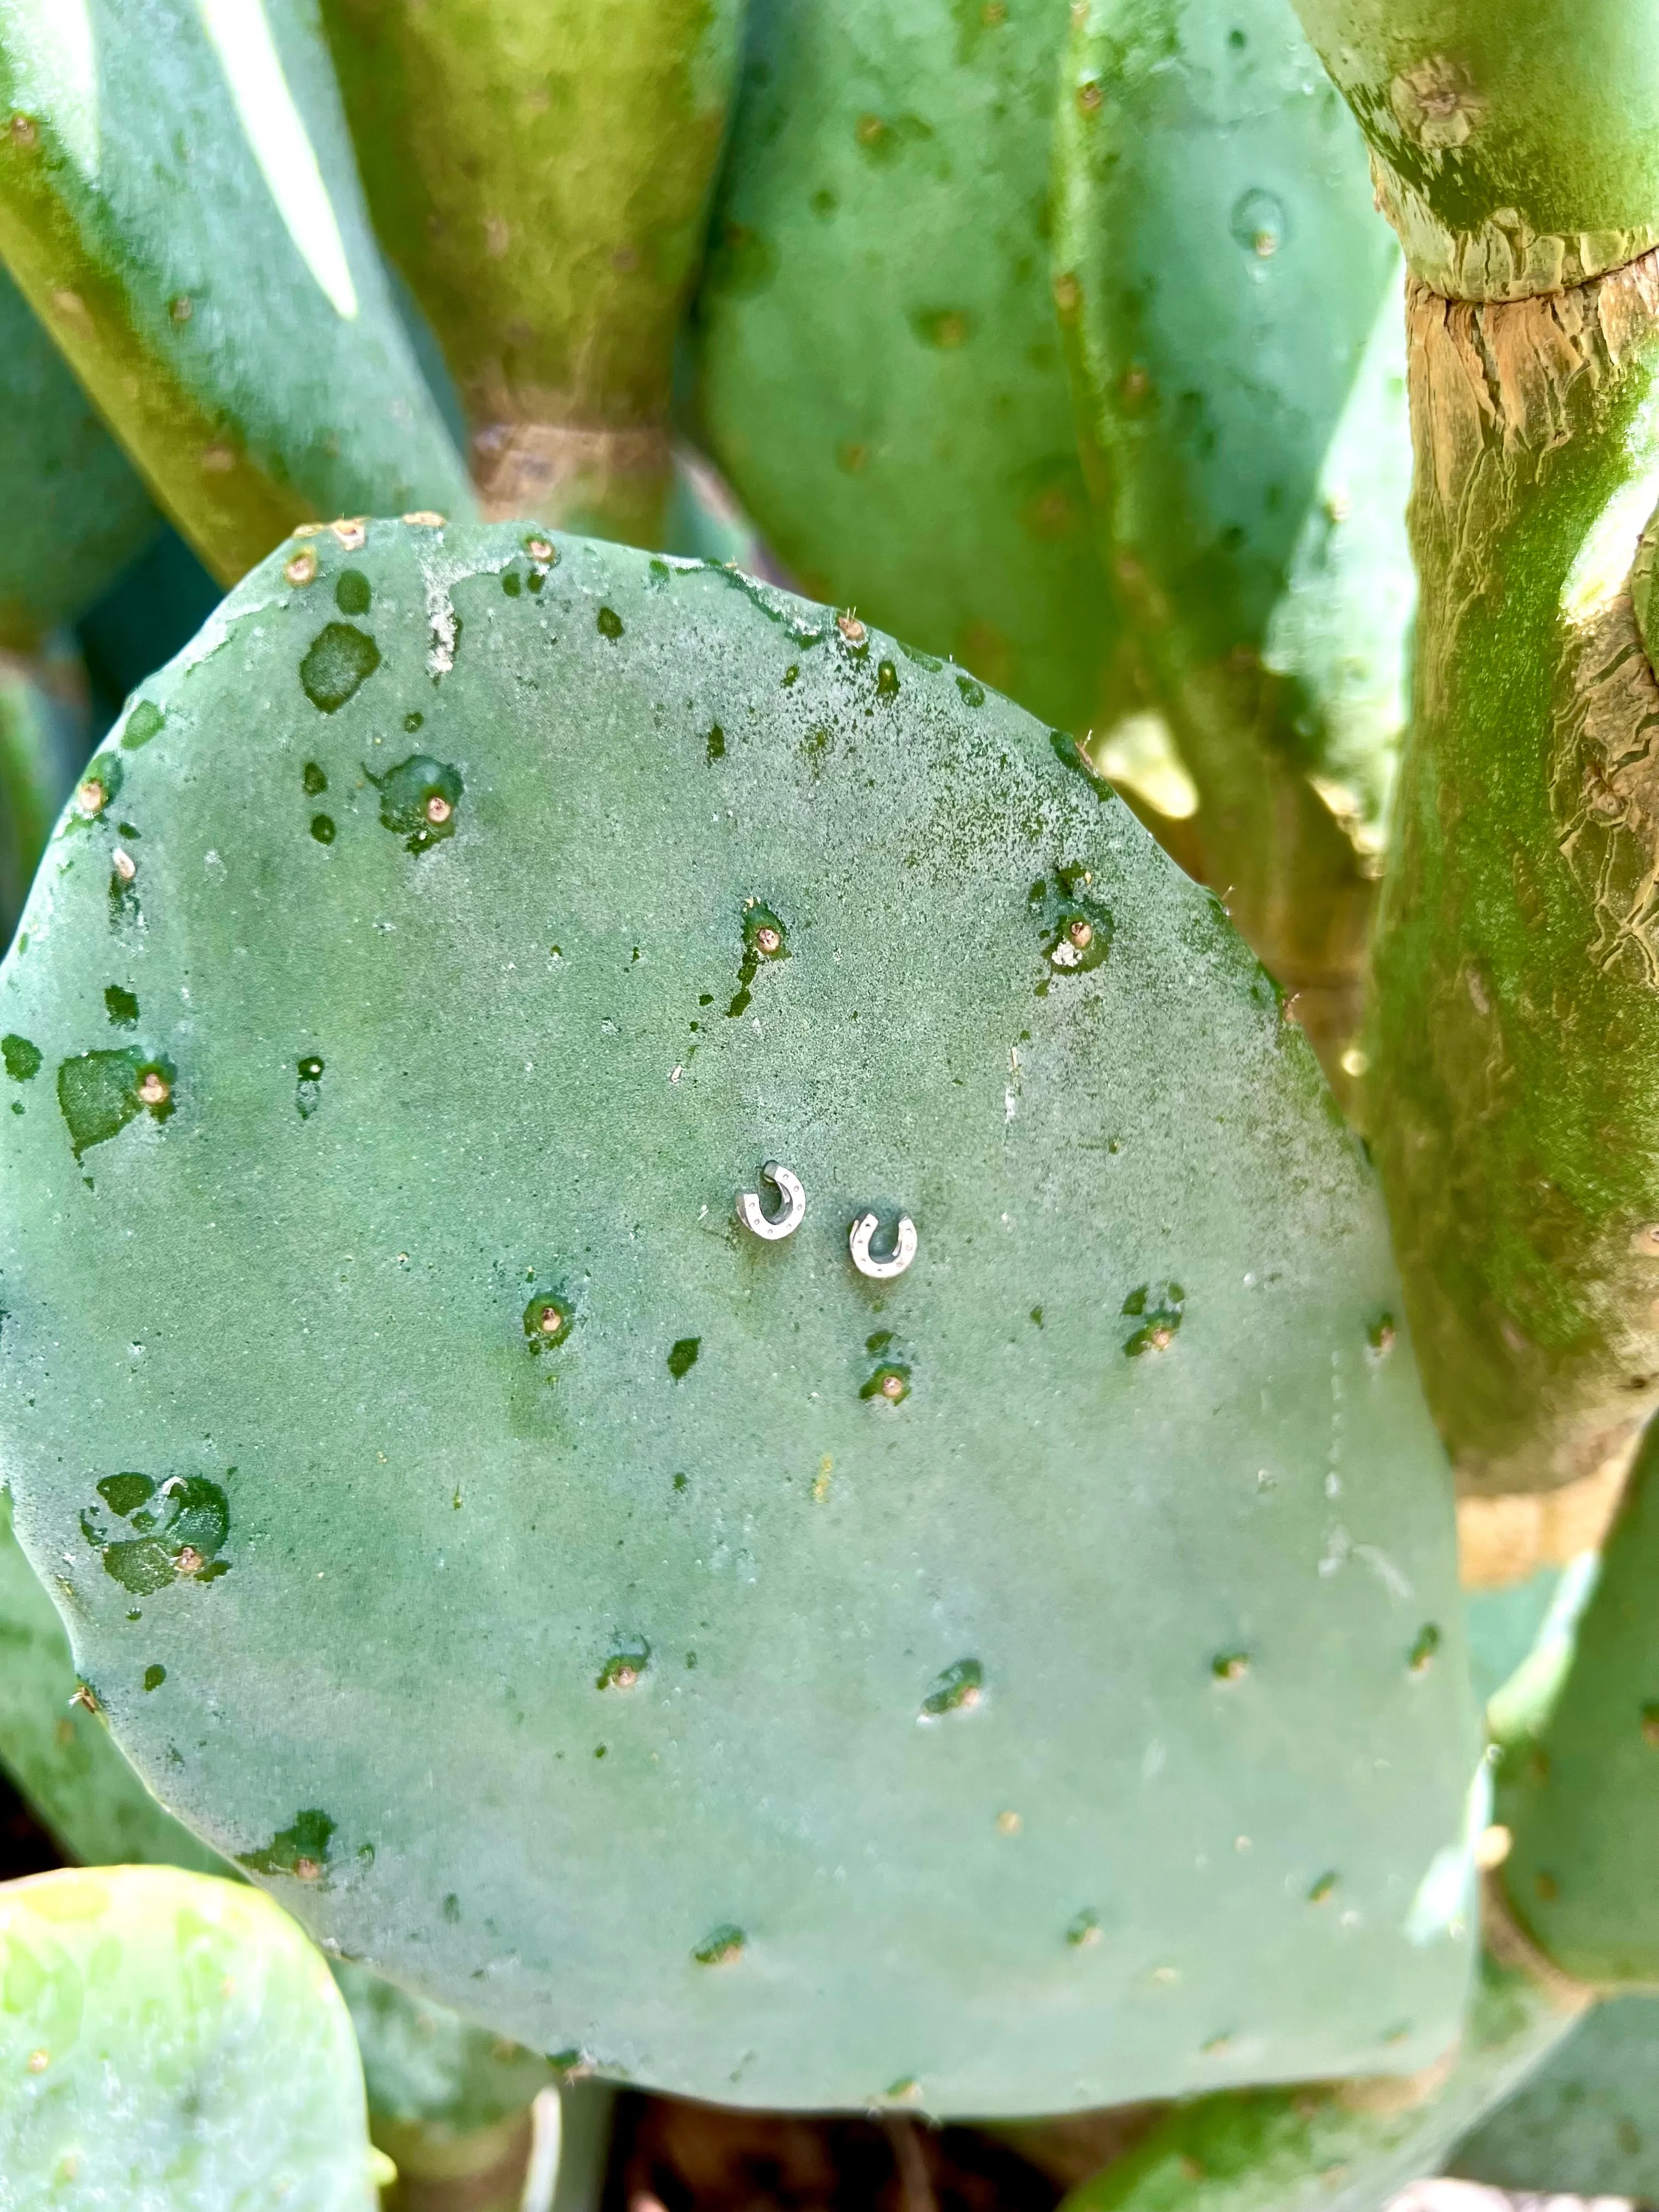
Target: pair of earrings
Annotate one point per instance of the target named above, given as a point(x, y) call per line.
point(772, 1228)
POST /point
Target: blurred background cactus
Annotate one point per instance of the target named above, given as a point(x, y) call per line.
point(596, 606)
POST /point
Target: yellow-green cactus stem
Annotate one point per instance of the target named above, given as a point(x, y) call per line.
point(1514, 1095)
point(178, 202)
point(539, 171)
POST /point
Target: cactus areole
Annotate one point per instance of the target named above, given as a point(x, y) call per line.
point(551, 1611)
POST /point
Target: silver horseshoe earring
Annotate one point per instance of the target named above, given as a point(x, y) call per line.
point(903, 1251)
point(773, 1230)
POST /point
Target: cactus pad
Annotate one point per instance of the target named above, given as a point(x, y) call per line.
point(1232, 313)
point(58, 1750)
point(550, 1614)
point(170, 2039)
point(881, 374)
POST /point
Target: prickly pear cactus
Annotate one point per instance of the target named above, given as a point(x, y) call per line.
point(1346, 2147)
point(445, 2099)
point(1584, 2124)
point(540, 174)
point(1232, 309)
point(43, 738)
point(1515, 155)
point(440, 951)
point(77, 511)
point(170, 2039)
point(1579, 1787)
point(179, 201)
point(57, 1749)
point(879, 367)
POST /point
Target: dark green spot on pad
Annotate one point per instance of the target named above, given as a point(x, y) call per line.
point(22, 1060)
point(340, 661)
point(99, 1093)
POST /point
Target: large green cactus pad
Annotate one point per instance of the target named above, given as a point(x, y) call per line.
point(432, 2079)
point(168, 2039)
point(179, 203)
point(880, 370)
point(1033, 1682)
point(1233, 318)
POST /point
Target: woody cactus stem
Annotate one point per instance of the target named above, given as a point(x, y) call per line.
point(1516, 1048)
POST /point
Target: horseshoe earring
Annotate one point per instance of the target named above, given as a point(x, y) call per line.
point(903, 1251)
point(773, 1229)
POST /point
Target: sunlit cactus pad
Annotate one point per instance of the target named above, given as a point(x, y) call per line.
point(170, 2040)
point(550, 1610)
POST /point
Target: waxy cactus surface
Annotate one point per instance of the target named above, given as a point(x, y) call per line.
point(1232, 312)
point(517, 1532)
point(166, 2039)
point(879, 366)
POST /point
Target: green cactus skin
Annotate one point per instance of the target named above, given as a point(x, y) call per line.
point(170, 2039)
point(880, 375)
point(1584, 2125)
point(58, 1750)
point(76, 511)
point(540, 174)
point(1232, 312)
point(433, 2081)
point(219, 296)
point(1347, 2147)
point(43, 738)
point(412, 1088)
point(1580, 1790)
point(450, 2104)
point(1515, 150)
